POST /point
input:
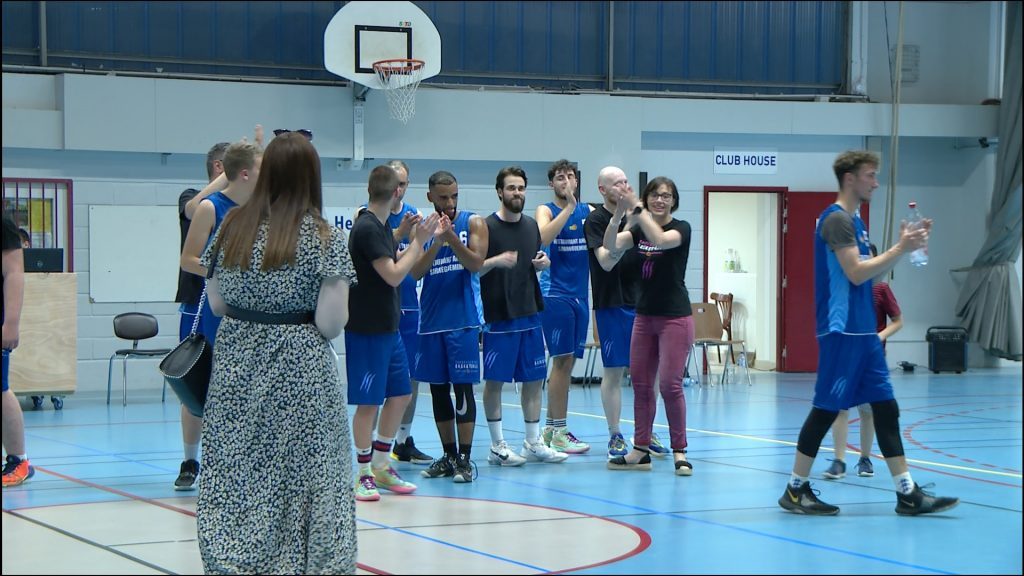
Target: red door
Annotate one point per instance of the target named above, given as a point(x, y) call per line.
point(799, 346)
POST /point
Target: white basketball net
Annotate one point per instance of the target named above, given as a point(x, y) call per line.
point(399, 80)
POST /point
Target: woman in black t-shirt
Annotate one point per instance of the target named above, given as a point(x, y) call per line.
point(663, 331)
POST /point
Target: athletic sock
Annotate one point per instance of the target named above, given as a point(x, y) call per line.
point(904, 483)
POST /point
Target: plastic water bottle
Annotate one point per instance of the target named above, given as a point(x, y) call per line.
point(918, 257)
point(742, 361)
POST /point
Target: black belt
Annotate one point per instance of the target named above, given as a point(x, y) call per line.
point(266, 317)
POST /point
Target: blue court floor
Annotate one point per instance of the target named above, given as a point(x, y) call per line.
point(102, 501)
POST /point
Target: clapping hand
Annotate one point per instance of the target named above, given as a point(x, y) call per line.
point(426, 227)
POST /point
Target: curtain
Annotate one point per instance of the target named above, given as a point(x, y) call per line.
point(989, 306)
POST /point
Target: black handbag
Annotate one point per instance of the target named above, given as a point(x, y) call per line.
point(187, 368)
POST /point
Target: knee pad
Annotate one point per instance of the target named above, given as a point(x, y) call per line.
point(442, 401)
point(813, 431)
point(887, 427)
point(465, 403)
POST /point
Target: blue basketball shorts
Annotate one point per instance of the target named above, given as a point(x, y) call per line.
point(515, 356)
point(7, 368)
point(376, 366)
point(452, 356)
point(409, 327)
point(565, 325)
point(851, 371)
point(615, 331)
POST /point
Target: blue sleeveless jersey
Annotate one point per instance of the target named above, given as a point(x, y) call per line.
point(221, 206)
point(840, 306)
point(570, 263)
point(451, 294)
point(408, 287)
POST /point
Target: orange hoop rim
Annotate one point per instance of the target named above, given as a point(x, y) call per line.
point(398, 66)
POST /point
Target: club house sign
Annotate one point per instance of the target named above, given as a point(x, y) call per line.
point(746, 161)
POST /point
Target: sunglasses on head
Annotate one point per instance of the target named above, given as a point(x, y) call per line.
point(307, 133)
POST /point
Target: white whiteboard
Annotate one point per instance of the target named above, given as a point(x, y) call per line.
point(133, 253)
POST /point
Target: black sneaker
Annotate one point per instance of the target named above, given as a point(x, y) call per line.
point(464, 469)
point(443, 467)
point(803, 500)
point(921, 502)
point(187, 477)
point(407, 452)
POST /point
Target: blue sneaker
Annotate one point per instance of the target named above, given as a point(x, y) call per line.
point(835, 471)
point(864, 467)
point(657, 448)
point(617, 446)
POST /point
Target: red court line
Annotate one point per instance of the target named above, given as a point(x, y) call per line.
point(908, 435)
point(138, 498)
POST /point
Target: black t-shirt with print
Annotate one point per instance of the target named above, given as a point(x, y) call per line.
point(663, 274)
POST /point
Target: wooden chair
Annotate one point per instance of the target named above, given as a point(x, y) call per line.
point(708, 331)
point(724, 302)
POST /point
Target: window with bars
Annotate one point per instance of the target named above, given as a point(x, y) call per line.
point(42, 210)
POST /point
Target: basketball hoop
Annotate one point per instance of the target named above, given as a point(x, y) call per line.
point(399, 79)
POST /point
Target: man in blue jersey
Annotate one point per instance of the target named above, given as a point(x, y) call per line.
point(514, 341)
point(449, 331)
point(565, 317)
point(402, 218)
point(851, 362)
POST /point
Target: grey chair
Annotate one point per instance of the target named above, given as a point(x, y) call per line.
point(134, 326)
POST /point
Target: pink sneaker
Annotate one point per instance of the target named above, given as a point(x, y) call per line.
point(388, 479)
point(366, 489)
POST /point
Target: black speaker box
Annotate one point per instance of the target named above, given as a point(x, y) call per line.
point(947, 349)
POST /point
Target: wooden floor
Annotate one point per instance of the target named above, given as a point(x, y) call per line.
point(102, 502)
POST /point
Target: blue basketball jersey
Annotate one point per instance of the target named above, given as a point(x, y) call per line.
point(570, 263)
point(840, 306)
point(450, 299)
point(221, 206)
point(209, 321)
point(408, 288)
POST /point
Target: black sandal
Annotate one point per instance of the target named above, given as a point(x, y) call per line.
point(620, 463)
point(683, 467)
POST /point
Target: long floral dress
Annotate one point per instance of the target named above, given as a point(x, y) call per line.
point(276, 487)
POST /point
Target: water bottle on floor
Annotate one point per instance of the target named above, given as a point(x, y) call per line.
point(918, 257)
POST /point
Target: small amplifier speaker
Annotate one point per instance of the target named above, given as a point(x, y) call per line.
point(947, 349)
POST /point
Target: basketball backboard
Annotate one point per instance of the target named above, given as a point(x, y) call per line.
point(362, 33)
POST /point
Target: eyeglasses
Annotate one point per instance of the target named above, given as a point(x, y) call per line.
point(667, 196)
point(307, 133)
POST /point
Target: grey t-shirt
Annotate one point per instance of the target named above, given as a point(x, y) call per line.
point(838, 231)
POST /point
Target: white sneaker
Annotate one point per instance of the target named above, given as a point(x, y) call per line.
point(541, 453)
point(502, 455)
